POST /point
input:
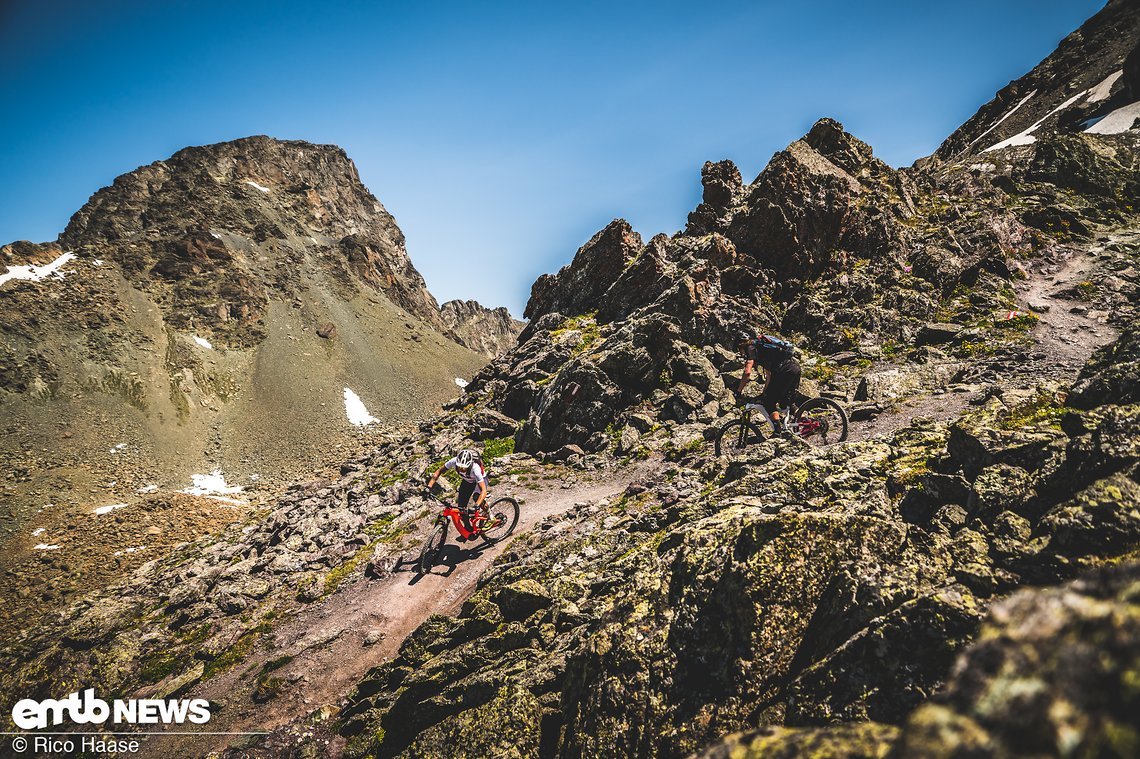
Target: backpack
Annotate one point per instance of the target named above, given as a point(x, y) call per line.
point(773, 346)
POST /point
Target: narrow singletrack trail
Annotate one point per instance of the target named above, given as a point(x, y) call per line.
point(326, 639)
point(1067, 333)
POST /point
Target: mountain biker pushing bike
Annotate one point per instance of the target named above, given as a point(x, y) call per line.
point(781, 372)
point(466, 462)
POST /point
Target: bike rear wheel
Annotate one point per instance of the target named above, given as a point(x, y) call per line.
point(432, 548)
point(733, 437)
point(504, 515)
point(820, 421)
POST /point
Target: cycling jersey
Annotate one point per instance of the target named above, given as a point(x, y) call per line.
point(474, 475)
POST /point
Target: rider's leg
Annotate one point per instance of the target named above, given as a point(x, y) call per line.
point(466, 489)
point(785, 379)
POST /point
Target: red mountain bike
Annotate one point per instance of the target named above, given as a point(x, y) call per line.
point(492, 522)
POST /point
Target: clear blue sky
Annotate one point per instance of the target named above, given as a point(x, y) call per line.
point(505, 134)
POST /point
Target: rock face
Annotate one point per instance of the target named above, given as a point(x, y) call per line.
point(215, 231)
point(491, 332)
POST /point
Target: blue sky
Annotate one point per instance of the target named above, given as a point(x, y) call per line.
point(500, 134)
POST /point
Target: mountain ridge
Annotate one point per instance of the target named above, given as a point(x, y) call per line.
point(958, 578)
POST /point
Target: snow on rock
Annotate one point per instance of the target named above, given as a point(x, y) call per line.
point(354, 408)
point(37, 273)
point(997, 123)
point(145, 489)
point(108, 509)
point(1120, 120)
point(210, 484)
point(38, 531)
point(118, 448)
point(203, 342)
point(461, 382)
point(1102, 90)
point(44, 547)
point(132, 549)
point(1026, 137)
point(256, 186)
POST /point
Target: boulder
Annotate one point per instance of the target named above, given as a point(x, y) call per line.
point(937, 333)
point(521, 599)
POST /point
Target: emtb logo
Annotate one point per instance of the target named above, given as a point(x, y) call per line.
point(29, 714)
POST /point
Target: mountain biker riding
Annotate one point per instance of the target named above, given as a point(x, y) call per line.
point(466, 462)
point(781, 372)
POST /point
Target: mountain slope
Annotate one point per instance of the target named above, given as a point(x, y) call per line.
point(217, 311)
point(1091, 84)
point(957, 579)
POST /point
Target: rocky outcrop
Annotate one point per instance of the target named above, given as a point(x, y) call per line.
point(1050, 675)
point(484, 330)
point(796, 587)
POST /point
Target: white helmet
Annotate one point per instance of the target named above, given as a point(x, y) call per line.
point(465, 458)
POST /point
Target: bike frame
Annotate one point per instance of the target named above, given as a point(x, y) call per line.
point(804, 427)
point(750, 407)
point(455, 514)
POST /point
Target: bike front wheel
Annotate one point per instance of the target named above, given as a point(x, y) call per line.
point(432, 548)
point(820, 421)
point(733, 437)
point(504, 515)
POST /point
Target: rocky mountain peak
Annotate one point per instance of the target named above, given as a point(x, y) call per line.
point(1089, 84)
point(216, 231)
point(490, 331)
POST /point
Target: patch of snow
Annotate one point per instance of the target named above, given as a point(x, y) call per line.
point(44, 547)
point(461, 382)
point(985, 167)
point(1102, 90)
point(203, 342)
point(256, 186)
point(108, 509)
point(38, 531)
point(1024, 100)
point(1120, 120)
point(132, 549)
point(97, 262)
point(152, 488)
point(36, 273)
point(1026, 137)
point(215, 235)
point(118, 448)
point(354, 408)
point(210, 484)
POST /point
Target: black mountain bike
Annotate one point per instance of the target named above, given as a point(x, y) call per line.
point(819, 421)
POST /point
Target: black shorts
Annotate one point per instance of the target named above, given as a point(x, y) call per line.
point(465, 490)
point(782, 386)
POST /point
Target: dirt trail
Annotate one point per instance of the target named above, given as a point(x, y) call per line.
point(1068, 332)
point(326, 640)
